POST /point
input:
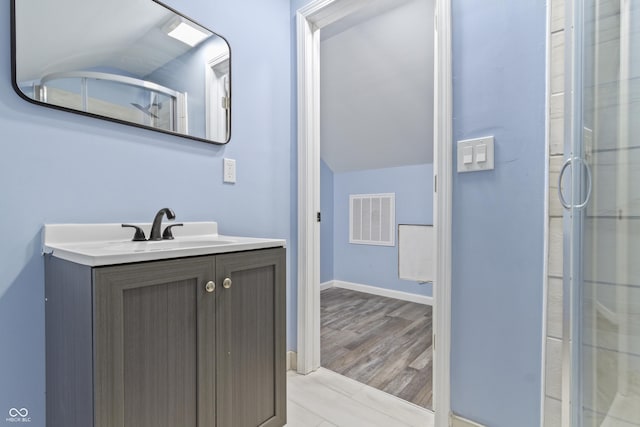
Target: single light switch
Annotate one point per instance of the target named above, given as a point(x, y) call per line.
point(467, 155)
point(481, 153)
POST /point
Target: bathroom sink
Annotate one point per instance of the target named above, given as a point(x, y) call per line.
point(162, 245)
point(110, 244)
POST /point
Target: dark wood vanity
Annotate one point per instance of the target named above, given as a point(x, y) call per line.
point(188, 342)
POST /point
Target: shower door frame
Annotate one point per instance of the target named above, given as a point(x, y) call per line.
point(572, 219)
point(573, 223)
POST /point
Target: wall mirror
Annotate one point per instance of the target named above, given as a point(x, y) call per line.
point(136, 62)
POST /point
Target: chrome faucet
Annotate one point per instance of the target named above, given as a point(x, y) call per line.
point(157, 223)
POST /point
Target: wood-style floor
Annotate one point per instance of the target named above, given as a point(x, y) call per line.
point(382, 342)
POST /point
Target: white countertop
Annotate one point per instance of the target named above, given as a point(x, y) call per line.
point(109, 244)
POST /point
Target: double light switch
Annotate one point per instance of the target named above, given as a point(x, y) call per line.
point(475, 154)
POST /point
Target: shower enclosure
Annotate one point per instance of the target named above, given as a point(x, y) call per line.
point(601, 194)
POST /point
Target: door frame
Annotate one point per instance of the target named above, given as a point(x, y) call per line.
point(310, 19)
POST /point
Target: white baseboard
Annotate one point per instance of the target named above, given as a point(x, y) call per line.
point(327, 285)
point(292, 360)
point(374, 290)
point(457, 421)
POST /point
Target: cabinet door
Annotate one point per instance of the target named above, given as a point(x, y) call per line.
point(251, 348)
point(154, 344)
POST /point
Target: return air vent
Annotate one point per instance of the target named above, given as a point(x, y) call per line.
point(372, 219)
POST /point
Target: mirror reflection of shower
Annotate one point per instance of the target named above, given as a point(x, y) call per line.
point(111, 95)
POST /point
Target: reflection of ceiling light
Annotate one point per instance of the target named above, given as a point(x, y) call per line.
point(187, 32)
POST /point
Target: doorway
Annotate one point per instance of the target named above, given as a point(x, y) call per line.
point(376, 154)
point(310, 20)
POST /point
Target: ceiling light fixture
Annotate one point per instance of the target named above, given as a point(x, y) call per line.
point(187, 32)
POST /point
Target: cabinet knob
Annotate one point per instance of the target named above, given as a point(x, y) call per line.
point(226, 283)
point(210, 286)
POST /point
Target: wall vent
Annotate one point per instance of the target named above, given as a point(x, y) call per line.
point(372, 219)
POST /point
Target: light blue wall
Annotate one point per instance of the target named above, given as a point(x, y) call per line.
point(61, 167)
point(378, 265)
point(326, 225)
point(58, 167)
point(498, 216)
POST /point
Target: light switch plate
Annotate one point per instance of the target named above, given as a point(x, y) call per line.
point(229, 171)
point(476, 145)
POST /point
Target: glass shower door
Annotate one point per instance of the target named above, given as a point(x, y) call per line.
point(605, 215)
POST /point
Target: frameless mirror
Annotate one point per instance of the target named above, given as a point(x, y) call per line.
point(136, 62)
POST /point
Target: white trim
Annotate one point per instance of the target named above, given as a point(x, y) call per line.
point(376, 290)
point(308, 40)
point(327, 285)
point(442, 213)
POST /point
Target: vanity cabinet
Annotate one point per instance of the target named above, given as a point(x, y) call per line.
point(185, 342)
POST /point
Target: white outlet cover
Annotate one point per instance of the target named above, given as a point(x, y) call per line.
point(229, 171)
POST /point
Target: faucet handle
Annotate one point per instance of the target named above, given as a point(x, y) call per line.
point(166, 234)
point(139, 236)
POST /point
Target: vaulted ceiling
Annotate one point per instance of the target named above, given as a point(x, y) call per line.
point(377, 87)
